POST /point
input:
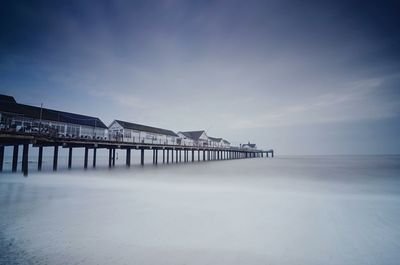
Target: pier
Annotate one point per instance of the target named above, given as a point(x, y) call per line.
point(162, 153)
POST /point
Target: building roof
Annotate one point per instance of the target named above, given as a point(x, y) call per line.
point(5, 98)
point(249, 145)
point(10, 106)
point(225, 141)
point(215, 139)
point(194, 135)
point(145, 128)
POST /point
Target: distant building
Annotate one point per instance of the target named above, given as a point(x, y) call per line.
point(225, 143)
point(193, 138)
point(214, 142)
point(15, 117)
point(137, 133)
point(249, 146)
point(218, 142)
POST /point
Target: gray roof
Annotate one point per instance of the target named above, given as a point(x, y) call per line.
point(225, 141)
point(194, 135)
point(10, 106)
point(250, 145)
point(145, 128)
point(215, 139)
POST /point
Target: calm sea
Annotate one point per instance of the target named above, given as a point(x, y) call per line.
point(286, 210)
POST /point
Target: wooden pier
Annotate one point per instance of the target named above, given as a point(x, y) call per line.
point(185, 153)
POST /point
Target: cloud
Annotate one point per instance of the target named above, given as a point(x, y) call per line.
point(351, 102)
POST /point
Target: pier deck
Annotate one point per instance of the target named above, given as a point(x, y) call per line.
point(204, 153)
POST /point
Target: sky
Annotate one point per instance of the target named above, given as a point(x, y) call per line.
point(301, 77)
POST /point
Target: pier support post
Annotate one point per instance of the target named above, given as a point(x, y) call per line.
point(86, 157)
point(172, 156)
point(94, 156)
point(267, 153)
point(177, 155)
point(70, 158)
point(1, 157)
point(15, 158)
point(55, 158)
point(167, 156)
point(128, 156)
point(154, 157)
point(113, 157)
point(40, 158)
point(25, 151)
point(156, 151)
point(272, 153)
point(204, 155)
point(198, 155)
point(110, 157)
point(163, 156)
point(180, 155)
point(142, 156)
point(192, 155)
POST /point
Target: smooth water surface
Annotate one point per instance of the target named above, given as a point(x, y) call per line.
point(287, 210)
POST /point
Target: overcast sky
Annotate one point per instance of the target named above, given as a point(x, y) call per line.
point(302, 77)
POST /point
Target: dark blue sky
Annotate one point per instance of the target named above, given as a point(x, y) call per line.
point(304, 77)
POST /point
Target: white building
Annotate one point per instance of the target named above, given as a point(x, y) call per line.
point(185, 139)
point(193, 138)
point(249, 146)
point(218, 142)
point(214, 142)
point(15, 117)
point(136, 133)
point(225, 143)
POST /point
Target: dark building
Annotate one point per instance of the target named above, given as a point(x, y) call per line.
point(31, 119)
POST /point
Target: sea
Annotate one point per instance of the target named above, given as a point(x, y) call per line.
point(283, 210)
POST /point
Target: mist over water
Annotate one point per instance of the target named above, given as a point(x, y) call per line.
point(286, 210)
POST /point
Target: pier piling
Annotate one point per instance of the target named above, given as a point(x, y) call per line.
point(1, 157)
point(55, 158)
point(25, 160)
point(40, 158)
point(142, 156)
point(15, 158)
point(109, 157)
point(85, 164)
point(128, 156)
point(113, 157)
point(70, 158)
point(167, 156)
point(94, 156)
